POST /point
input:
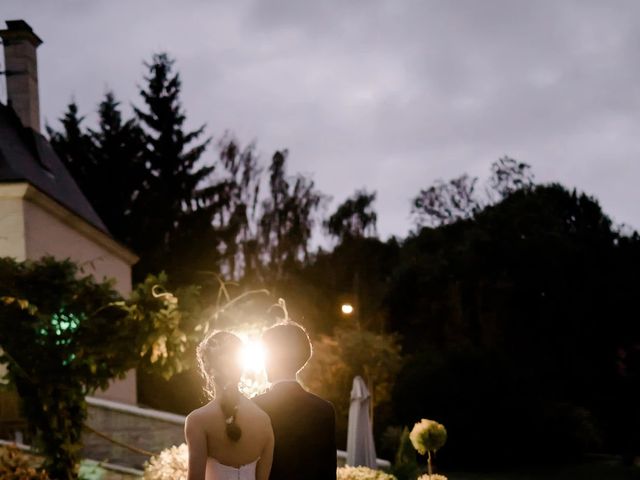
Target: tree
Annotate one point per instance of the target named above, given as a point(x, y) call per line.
point(445, 203)
point(355, 217)
point(476, 304)
point(351, 351)
point(144, 179)
point(118, 170)
point(147, 181)
point(83, 335)
point(288, 217)
point(106, 162)
point(509, 176)
point(74, 147)
point(176, 233)
point(238, 217)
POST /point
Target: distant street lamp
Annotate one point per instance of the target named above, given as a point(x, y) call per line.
point(347, 308)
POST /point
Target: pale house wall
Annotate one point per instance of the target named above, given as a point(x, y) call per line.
point(12, 242)
point(32, 226)
point(47, 235)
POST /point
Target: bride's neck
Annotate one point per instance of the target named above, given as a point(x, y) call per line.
point(221, 387)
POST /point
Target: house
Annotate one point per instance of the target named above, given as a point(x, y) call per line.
point(42, 209)
point(43, 212)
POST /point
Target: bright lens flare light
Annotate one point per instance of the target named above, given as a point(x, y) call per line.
point(253, 356)
point(347, 308)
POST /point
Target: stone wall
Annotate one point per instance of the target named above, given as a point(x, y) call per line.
point(11, 422)
point(144, 429)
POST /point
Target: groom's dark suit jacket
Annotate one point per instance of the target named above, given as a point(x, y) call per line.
point(304, 430)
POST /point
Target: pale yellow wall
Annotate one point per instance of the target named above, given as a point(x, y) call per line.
point(32, 226)
point(121, 390)
point(46, 235)
point(12, 242)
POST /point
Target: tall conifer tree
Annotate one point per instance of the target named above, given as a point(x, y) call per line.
point(73, 145)
point(106, 162)
point(178, 232)
point(118, 169)
point(288, 217)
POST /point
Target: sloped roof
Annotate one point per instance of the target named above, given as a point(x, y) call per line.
point(25, 155)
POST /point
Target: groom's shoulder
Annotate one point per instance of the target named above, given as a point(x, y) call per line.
point(323, 404)
point(319, 407)
point(267, 400)
point(273, 397)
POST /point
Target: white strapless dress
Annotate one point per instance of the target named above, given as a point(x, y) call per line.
point(219, 471)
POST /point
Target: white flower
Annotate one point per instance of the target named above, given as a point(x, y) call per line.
point(428, 435)
point(171, 464)
point(362, 473)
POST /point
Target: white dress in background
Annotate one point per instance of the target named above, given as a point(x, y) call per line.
point(219, 471)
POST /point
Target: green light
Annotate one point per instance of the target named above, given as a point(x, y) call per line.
point(71, 358)
point(64, 322)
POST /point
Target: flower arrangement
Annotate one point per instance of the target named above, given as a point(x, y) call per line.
point(16, 465)
point(362, 473)
point(171, 464)
point(428, 436)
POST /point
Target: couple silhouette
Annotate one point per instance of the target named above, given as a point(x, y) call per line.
point(286, 433)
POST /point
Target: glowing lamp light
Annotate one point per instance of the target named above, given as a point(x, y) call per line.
point(347, 308)
point(253, 356)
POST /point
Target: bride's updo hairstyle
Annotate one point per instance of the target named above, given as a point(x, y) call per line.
point(219, 359)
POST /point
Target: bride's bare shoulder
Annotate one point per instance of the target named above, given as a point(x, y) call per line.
point(206, 412)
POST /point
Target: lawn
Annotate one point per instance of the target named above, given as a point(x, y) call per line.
point(606, 468)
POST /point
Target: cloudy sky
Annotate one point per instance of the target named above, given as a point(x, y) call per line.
point(387, 94)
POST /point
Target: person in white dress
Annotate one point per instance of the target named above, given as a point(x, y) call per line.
point(229, 437)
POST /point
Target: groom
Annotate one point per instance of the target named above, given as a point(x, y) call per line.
point(303, 424)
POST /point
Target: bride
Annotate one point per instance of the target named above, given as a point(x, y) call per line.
point(230, 437)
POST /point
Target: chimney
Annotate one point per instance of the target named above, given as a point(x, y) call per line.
point(21, 71)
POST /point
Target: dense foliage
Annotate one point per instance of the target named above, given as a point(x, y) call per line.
point(516, 323)
point(62, 336)
point(517, 316)
point(339, 358)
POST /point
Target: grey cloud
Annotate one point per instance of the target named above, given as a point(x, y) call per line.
point(379, 93)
